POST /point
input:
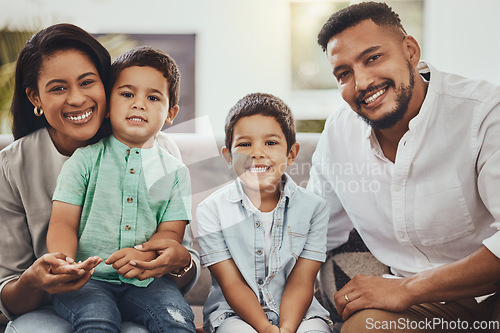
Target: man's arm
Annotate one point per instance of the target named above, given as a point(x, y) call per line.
point(239, 295)
point(298, 294)
point(475, 275)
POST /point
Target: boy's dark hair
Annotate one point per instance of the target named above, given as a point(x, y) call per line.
point(147, 56)
point(263, 104)
point(43, 44)
point(380, 13)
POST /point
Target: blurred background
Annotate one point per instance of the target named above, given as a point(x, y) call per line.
point(228, 48)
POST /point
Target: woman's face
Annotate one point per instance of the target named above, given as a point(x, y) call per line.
point(72, 97)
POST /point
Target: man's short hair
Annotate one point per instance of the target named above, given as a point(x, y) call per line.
point(380, 13)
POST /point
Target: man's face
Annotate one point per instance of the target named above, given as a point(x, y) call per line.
point(373, 70)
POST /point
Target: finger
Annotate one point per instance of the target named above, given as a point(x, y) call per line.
point(70, 285)
point(155, 244)
point(146, 274)
point(120, 263)
point(114, 257)
point(133, 273)
point(149, 265)
point(125, 269)
point(90, 263)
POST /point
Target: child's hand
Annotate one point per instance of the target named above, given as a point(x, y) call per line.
point(285, 330)
point(121, 261)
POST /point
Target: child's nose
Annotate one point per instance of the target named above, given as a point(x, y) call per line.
point(138, 104)
point(257, 152)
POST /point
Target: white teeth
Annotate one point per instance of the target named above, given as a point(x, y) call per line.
point(258, 170)
point(136, 119)
point(80, 117)
point(374, 96)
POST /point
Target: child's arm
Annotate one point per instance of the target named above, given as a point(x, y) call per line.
point(121, 259)
point(63, 228)
point(239, 295)
point(298, 294)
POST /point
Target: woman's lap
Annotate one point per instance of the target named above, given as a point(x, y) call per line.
point(45, 320)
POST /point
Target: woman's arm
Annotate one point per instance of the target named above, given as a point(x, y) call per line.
point(298, 294)
point(238, 294)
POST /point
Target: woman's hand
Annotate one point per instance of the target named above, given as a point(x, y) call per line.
point(121, 261)
point(172, 258)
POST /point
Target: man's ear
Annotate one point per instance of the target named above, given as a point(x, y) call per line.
point(172, 113)
point(412, 49)
point(33, 97)
point(227, 155)
point(292, 154)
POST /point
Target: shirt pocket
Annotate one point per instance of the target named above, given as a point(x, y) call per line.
point(441, 213)
point(297, 236)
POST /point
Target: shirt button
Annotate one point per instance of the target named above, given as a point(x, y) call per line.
point(259, 252)
point(402, 235)
point(257, 224)
point(260, 282)
point(128, 151)
point(132, 171)
point(127, 227)
point(129, 199)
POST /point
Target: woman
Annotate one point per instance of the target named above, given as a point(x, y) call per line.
point(59, 105)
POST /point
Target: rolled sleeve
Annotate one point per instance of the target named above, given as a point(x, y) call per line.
point(73, 180)
point(315, 245)
point(213, 248)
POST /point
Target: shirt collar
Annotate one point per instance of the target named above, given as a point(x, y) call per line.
point(122, 149)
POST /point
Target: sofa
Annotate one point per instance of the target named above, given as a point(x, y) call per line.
point(209, 171)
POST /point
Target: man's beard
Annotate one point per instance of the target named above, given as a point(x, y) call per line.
point(403, 98)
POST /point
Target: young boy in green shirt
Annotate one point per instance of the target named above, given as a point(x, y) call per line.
point(122, 192)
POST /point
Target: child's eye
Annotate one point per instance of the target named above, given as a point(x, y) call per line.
point(373, 58)
point(243, 144)
point(271, 143)
point(127, 94)
point(153, 98)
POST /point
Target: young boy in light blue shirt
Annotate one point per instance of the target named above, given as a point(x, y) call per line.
point(122, 192)
point(262, 237)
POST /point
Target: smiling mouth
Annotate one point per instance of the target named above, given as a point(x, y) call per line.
point(259, 170)
point(137, 119)
point(373, 97)
point(81, 117)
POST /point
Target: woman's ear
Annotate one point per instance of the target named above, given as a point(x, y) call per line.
point(227, 155)
point(292, 154)
point(33, 97)
point(172, 113)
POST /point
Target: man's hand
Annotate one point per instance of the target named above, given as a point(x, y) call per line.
point(121, 261)
point(364, 292)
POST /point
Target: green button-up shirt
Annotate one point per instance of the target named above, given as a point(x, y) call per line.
point(125, 193)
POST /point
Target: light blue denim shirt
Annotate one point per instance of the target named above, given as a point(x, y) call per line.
point(229, 227)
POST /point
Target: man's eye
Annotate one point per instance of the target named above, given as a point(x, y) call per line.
point(342, 75)
point(373, 58)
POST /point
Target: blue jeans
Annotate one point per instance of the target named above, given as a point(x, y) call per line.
point(101, 306)
point(45, 320)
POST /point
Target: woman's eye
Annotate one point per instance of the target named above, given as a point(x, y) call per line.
point(373, 58)
point(342, 75)
point(57, 88)
point(87, 82)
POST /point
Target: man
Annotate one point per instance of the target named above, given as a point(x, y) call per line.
point(415, 169)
